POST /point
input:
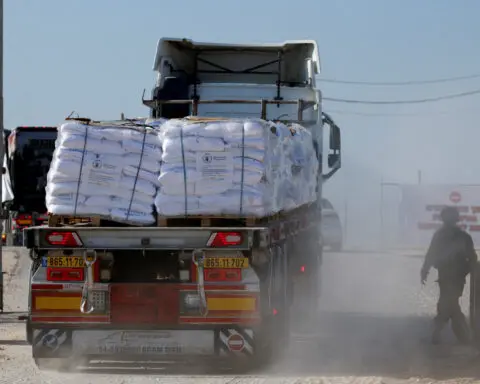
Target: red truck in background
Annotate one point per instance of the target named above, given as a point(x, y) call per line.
point(28, 153)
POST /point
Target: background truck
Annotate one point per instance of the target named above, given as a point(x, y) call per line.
point(332, 232)
point(28, 154)
point(190, 286)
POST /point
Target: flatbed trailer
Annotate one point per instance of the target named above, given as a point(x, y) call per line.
point(203, 286)
point(241, 278)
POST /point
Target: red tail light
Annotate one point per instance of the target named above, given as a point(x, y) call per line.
point(22, 220)
point(225, 239)
point(65, 274)
point(302, 268)
point(67, 239)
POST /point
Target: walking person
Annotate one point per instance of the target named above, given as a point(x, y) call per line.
point(452, 254)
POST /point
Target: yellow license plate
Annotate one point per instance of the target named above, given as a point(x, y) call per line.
point(225, 262)
point(65, 262)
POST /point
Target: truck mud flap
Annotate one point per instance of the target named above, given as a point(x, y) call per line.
point(234, 342)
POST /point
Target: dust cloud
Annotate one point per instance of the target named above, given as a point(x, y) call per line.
point(375, 318)
point(396, 145)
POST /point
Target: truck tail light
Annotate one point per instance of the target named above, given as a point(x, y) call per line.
point(66, 239)
point(65, 274)
point(225, 239)
point(22, 220)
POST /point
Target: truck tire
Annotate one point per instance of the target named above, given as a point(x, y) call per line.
point(277, 329)
point(272, 339)
point(28, 326)
point(29, 332)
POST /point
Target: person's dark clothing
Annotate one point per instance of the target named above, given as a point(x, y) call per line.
point(448, 308)
point(453, 255)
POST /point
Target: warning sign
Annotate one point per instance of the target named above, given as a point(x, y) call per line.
point(455, 197)
point(236, 343)
point(421, 206)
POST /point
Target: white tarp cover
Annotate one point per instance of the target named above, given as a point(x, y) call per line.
point(420, 211)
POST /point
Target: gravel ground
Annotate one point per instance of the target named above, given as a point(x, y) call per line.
point(373, 328)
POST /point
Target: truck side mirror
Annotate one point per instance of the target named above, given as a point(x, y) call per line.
point(335, 138)
point(334, 160)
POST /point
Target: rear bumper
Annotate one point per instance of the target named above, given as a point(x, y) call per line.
point(226, 341)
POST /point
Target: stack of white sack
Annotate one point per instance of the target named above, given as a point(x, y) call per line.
point(299, 186)
point(106, 169)
point(244, 167)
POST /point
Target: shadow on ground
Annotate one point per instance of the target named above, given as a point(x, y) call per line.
point(13, 342)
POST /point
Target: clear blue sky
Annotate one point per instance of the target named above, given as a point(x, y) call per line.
point(95, 58)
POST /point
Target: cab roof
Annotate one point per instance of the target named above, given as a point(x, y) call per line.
point(237, 58)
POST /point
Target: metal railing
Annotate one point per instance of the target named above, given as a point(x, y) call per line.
point(302, 105)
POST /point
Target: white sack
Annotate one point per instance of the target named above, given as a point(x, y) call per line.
point(242, 166)
point(107, 169)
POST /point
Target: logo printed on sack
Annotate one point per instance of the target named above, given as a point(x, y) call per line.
point(97, 163)
point(207, 158)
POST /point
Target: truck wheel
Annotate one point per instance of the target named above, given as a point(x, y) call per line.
point(265, 353)
point(29, 332)
point(28, 326)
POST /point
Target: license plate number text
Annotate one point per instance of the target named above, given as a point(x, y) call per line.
point(226, 262)
point(63, 262)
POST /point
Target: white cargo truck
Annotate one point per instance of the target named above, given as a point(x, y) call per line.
point(192, 285)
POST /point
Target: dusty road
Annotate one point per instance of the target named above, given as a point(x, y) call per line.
point(374, 322)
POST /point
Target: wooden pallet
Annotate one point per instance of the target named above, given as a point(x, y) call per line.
point(64, 220)
point(214, 221)
point(172, 221)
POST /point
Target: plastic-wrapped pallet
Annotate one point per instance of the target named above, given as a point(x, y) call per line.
point(240, 167)
point(106, 169)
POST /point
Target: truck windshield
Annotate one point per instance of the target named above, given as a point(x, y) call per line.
point(31, 152)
